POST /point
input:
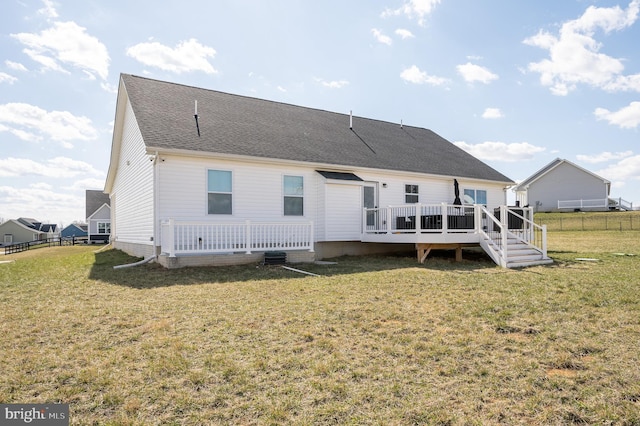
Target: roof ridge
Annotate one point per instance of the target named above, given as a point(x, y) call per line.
point(254, 98)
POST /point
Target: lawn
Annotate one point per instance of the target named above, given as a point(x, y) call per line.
point(372, 340)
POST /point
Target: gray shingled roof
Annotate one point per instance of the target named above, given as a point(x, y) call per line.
point(95, 199)
point(233, 124)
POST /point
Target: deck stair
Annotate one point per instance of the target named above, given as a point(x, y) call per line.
point(519, 254)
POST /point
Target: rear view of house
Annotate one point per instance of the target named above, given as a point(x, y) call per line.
point(204, 177)
point(98, 213)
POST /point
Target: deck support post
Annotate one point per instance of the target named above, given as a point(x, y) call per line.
point(425, 248)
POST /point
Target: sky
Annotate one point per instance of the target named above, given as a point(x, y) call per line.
point(515, 83)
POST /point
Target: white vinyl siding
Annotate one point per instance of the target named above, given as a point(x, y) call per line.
point(134, 187)
point(565, 182)
point(343, 212)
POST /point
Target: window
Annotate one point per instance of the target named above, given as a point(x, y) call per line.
point(104, 227)
point(219, 192)
point(475, 196)
point(293, 196)
point(411, 193)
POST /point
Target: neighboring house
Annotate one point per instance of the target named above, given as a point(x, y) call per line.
point(75, 230)
point(25, 230)
point(98, 213)
point(203, 177)
point(562, 185)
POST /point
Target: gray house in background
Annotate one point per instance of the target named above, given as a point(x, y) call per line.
point(98, 213)
point(564, 186)
point(25, 230)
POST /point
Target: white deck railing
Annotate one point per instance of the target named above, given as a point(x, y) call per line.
point(434, 218)
point(197, 237)
point(600, 203)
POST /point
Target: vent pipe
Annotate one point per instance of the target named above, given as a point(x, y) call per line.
point(195, 115)
point(401, 123)
point(351, 119)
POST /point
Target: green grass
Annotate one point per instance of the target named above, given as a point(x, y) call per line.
point(590, 221)
point(373, 340)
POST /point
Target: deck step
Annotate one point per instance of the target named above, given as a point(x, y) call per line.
point(520, 254)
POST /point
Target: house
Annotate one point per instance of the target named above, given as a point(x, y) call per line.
point(562, 185)
point(23, 230)
point(75, 230)
point(201, 177)
point(98, 213)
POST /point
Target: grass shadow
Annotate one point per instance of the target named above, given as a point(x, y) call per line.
point(152, 275)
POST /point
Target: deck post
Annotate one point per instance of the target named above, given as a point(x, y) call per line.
point(247, 237)
point(544, 241)
point(504, 227)
point(445, 218)
point(388, 221)
point(311, 237)
point(418, 212)
point(171, 237)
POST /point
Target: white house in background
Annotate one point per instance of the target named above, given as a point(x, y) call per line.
point(98, 211)
point(562, 185)
point(201, 177)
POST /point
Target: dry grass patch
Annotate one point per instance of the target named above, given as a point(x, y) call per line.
point(375, 340)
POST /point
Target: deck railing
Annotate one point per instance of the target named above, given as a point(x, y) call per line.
point(600, 203)
point(436, 218)
point(197, 237)
point(513, 223)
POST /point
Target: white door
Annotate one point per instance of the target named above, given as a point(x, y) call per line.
point(370, 201)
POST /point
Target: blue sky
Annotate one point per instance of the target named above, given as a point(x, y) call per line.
point(515, 83)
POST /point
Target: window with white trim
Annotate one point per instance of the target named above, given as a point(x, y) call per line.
point(219, 192)
point(411, 194)
point(104, 227)
point(293, 192)
point(475, 196)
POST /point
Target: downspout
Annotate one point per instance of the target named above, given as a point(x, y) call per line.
point(156, 172)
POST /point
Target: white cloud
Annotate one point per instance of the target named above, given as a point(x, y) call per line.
point(604, 157)
point(500, 151)
point(42, 203)
point(492, 113)
point(381, 38)
point(59, 167)
point(417, 9)
point(626, 118)
point(627, 169)
point(404, 34)
point(66, 43)
point(414, 75)
point(187, 56)
point(472, 72)
point(49, 11)
point(31, 123)
point(16, 66)
point(574, 54)
point(281, 89)
point(335, 84)
point(6, 78)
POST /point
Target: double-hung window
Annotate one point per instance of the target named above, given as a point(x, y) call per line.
point(475, 196)
point(293, 190)
point(411, 194)
point(219, 192)
point(104, 227)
